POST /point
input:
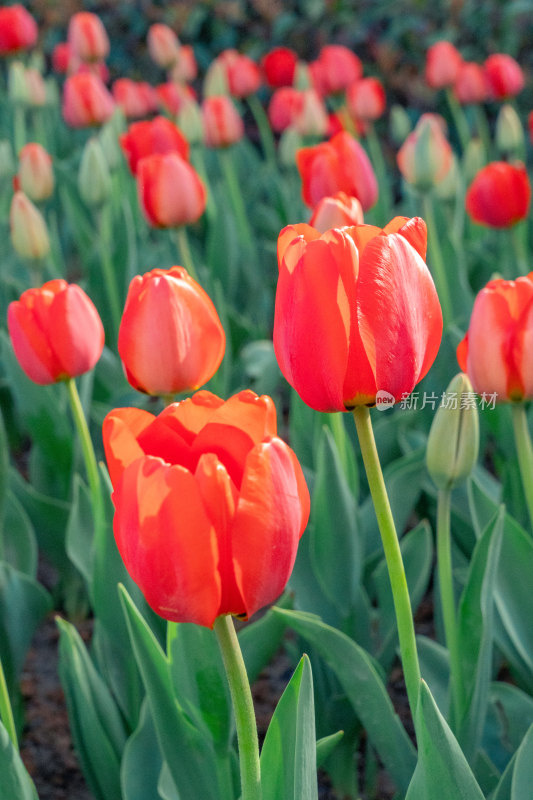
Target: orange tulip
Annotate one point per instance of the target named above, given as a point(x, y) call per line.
point(336, 212)
point(86, 101)
point(209, 504)
point(340, 165)
point(55, 331)
point(170, 191)
point(222, 124)
point(146, 138)
point(18, 29)
point(497, 351)
point(500, 194)
point(356, 312)
point(170, 338)
point(87, 37)
point(504, 76)
point(366, 99)
point(442, 64)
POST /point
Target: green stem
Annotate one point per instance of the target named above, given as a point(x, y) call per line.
point(108, 270)
point(243, 708)
point(91, 464)
point(525, 453)
point(198, 162)
point(378, 161)
point(393, 555)
point(182, 241)
point(263, 126)
point(459, 119)
point(6, 712)
point(437, 261)
point(447, 598)
point(518, 234)
point(483, 130)
point(235, 193)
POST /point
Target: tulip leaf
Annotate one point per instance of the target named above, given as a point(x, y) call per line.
point(509, 716)
point(19, 542)
point(15, 784)
point(442, 769)
point(4, 475)
point(326, 745)
point(180, 740)
point(259, 640)
point(96, 724)
point(360, 680)
point(334, 539)
point(435, 669)
point(142, 761)
point(288, 756)
point(475, 632)
point(80, 529)
point(523, 769)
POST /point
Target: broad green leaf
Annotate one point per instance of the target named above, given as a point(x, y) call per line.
point(97, 727)
point(15, 783)
point(288, 756)
point(475, 633)
point(509, 716)
point(19, 541)
point(442, 770)
point(141, 761)
point(189, 755)
point(335, 547)
point(435, 670)
point(80, 529)
point(260, 640)
point(522, 780)
point(364, 688)
point(326, 746)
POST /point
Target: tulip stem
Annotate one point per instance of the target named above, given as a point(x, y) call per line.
point(91, 464)
point(6, 712)
point(459, 119)
point(263, 126)
point(447, 599)
point(393, 555)
point(518, 234)
point(236, 197)
point(186, 256)
point(243, 708)
point(437, 261)
point(108, 271)
point(525, 453)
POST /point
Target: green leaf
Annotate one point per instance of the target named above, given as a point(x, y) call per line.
point(435, 670)
point(97, 727)
point(442, 770)
point(336, 552)
point(19, 542)
point(326, 746)
point(365, 690)
point(4, 473)
point(260, 640)
point(189, 755)
point(475, 633)
point(141, 761)
point(80, 529)
point(509, 716)
point(288, 756)
point(15, 784)
point(523, 769)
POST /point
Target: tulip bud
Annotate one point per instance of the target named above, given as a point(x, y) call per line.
point(289, 143)
point(35, 175)
point(447, 188)
point(16, 83)
point(453, 442)
point(190, 121)
point(222, 124)
point(400, 124)
point(426, 156)
point(216, 81)
point(510, 139)
point(29, 234)
point(473, 159)
point(163, 45)
point(94, 179)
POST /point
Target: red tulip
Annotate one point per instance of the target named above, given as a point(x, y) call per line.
point(356, 312)
point(499, 195)
point(336, 212)
point(170, 338)
point(87, 37)
point(170, 191)
point(148, 137)
point(504, 76)
point(185, 68)
point(163, 45)
point(135, 98)
point(222, 124)
point(279, 67)
point(471, 84)
point(172, 96)
point(61, 56)
point(241, 73)
point(497, 351)
point(285, 103)
point(442, 65)
point(55, 331)
point(366, 99)
point(340, 165)
point(339, 67)
point(86, 101)
point(209, 504)
point(18, 29)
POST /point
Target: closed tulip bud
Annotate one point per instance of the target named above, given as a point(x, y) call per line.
point(158, 135)
point(29, 234)
point(86, 101)
point(399, 124)
point(17, 88)
point(366, 99)
point(163, 45)
point(94, 179)
point(209, 504)
point(290, 142)
point(311, 119)
point(18, 30)
point(190, 121)
point(36, 88)
point(185, 68)
point(474, 159)
point(471, 86)
point(55, 331)
point(425, 157)
point(170, 191)
point(170, 339)
point(336, 212)
point(232, 72)
point(35, 174)
point(279, 66)
point(442, 65)
point(285, 103)
point(447, 188)
point(215, 81)
point(222, 124)
point(61, 55)
point(339, 68)
point(500, 194)
point(453, 442)
point(510, 139)
point(87, 37)
point(135, 98)
point(502, 316)
point(504, 75)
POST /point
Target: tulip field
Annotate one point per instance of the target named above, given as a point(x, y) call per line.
point(266, 364)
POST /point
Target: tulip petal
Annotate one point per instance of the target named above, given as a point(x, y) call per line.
point(76, 331)
point(168, 546)
point(271, 514)
point(31, 346)
point(288, 235)
point(120, 430)
point(414, 230)
point(189, 416)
